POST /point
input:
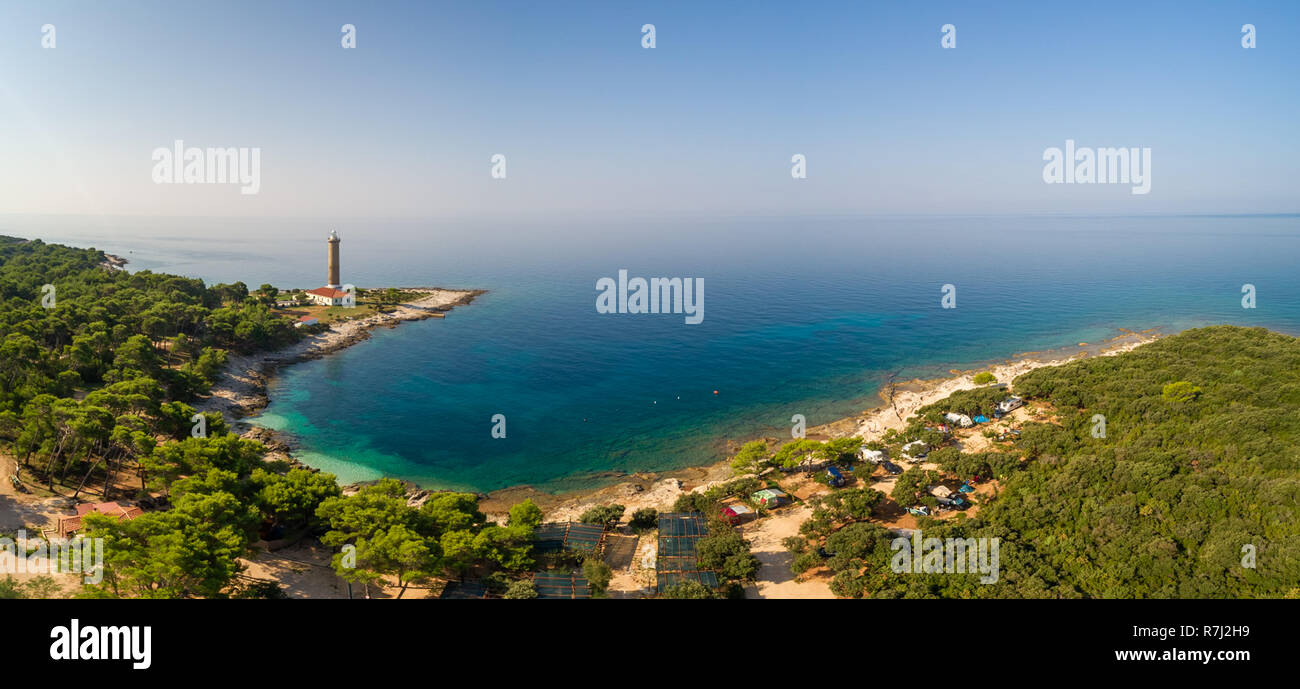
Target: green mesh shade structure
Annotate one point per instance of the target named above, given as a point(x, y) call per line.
point(461, 590)
point(561, 585)
point(573, 536)
point(675, 562)
point(667, 580)
point(683, 525)
point(678, 532)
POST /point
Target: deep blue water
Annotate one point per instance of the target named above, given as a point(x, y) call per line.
point(801, 316)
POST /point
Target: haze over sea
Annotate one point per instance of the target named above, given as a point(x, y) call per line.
point(802, 315)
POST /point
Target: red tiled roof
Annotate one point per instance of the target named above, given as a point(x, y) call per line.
point(109, 508)
point(328, 292)
point(69, 525)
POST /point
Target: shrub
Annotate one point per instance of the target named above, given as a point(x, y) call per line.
point(694, 502)
point(727, 552)
point(645, 518)
point(606, 514)
point(264, 590)
point(598, 575)
point(1182, 391)
point(520, 589)
point(749, 456)
point(688, 589)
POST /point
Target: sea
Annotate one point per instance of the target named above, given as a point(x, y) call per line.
point(804, 315)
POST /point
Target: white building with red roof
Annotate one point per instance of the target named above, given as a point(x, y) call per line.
point(327, 296)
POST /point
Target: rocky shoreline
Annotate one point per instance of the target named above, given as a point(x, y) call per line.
point(899, 400)
point(112, 262)
point(241, 391)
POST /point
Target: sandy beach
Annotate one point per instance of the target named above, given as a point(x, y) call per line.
point(903, 399)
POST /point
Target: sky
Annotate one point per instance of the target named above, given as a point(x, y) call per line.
point(590, 122)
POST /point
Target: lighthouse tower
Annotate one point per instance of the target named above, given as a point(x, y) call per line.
point(334, 260)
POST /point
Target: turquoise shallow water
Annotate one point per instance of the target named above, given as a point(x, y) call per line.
point(801, 316)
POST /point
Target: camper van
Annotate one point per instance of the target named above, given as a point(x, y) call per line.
point(1010, 404)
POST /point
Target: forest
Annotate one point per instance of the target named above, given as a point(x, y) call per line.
point(98, 370)
point(97, 365)
point(1191, 489)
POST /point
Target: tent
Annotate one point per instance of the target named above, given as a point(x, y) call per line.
point(836, 478)
point(770, 497)
point(959, 419)
point(735, 513)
